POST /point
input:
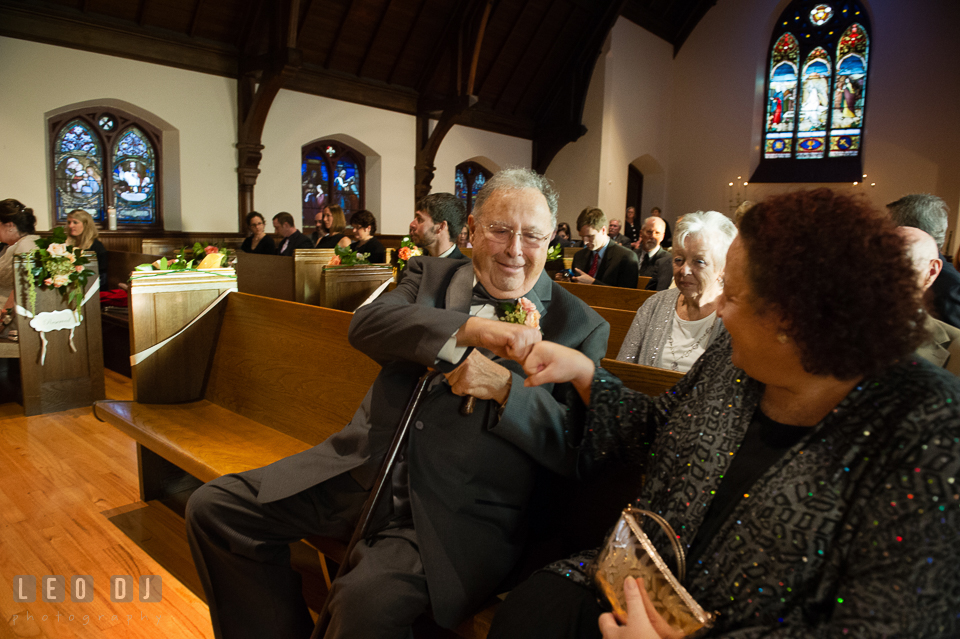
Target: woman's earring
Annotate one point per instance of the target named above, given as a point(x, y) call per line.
point(782, 338)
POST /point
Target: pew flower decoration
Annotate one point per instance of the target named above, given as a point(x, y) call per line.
point(522, 312)
point(555, 252)
point(407, 250)
point(56, 265)
point(192, 258)
point(347, 257)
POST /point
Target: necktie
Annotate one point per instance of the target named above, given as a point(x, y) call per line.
point(646, 260)
point(594, 263)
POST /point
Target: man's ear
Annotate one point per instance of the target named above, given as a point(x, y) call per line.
point(933, 271)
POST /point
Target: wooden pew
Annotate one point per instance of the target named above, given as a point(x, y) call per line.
point(620, 322)
point(645, 379)
point(64, 378)
point(115, 320)
point(627, 299)
point(642, 281)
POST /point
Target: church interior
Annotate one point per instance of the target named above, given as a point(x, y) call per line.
point(643, 103)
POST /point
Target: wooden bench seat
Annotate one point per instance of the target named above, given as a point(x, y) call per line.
point(627, 299)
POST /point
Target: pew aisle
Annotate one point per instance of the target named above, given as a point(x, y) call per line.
point(68, 501)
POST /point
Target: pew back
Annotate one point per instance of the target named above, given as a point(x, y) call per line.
point(620, 322)
point(628, 299)
point(645, 379)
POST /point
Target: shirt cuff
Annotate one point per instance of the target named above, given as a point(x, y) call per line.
point(451, 352)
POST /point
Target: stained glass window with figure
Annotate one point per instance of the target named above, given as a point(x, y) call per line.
point(78, 171)
point(134, 177)
point(469, 179)
point(331, 173)
point(815, 93)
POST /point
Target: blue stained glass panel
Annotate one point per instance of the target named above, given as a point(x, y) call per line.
point(346, 186)
point(782, 97)
point(461, 181)
point(78, 171)
point(315, 180)
point(478, 183)
point(135, 178)
point(849, 91)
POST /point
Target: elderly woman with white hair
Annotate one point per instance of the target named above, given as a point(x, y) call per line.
point(674, 327)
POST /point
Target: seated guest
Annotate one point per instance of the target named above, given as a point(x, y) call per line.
point(437, 221)
point(562, 236)
point(292, 238)
point(334, 227)
point(258, 241)
point(455, 522)
point(364, 227)
point(804, 462)
point(616, 235)
point(18, 234)
point(942, 347)
point(655, 262)
point(631, 227)
point(601, 261)
point(82, 233)
point(667, 235)
point(674, 327)
point(931, 214)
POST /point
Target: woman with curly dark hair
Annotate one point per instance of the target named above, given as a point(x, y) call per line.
point(18, 232)
point(364, 228)
point(808, 462)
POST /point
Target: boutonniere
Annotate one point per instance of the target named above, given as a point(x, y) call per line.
point(522, 312)
point(407, 250)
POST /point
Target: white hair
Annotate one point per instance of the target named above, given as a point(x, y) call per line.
point(714, 228)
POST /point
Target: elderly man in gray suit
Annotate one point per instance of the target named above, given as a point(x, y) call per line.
point(455, 524)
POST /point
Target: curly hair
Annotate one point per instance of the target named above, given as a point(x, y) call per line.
point(364, 218)
point(835, 268)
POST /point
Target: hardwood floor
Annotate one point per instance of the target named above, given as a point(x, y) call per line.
point(68, 501)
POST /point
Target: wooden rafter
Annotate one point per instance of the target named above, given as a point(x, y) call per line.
point(406, 41)
point(374, 38)
point(503, 46)
point(303, 19)
point(336, 38)
point(195, 20)
point(548, 56)
point(141, 11)
point(513, 73)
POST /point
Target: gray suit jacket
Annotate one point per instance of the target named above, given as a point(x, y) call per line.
point(943, 349)
point(470, 478)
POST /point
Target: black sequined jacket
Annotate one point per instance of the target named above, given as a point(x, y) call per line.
point(854, 532)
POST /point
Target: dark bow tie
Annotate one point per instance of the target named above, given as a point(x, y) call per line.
point(482, 297)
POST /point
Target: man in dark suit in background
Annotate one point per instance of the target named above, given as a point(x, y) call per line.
point(655, 262)
point(931, 214)
point(453, 524)
point(602, 261)
point(436, 225)
point(292, 238)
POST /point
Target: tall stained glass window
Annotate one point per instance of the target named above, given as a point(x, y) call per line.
point(815, 93)
point(330, 173)
point(105, 158)
point(470, 178)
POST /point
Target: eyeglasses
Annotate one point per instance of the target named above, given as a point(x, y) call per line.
point(504, 234)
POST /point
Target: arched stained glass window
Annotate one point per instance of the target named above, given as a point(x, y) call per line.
point(469, 179)
point(815, 93)
point(105, 158)
point(134, 177)
point(331, 173)
point(78, 171)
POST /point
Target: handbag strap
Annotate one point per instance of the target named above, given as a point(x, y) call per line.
point(674, 541)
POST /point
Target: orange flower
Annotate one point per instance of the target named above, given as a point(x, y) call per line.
point(404, 253)
point(334, 261)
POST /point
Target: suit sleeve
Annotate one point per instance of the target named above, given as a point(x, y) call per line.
point(405, 324)
point(535, 419)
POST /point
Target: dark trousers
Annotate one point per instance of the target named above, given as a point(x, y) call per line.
point(547, 606)
point(241, 549)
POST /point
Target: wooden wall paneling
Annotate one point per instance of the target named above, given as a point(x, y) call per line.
point(347, 287)
point(66, 379)
point(308, 273)
point(266, 275)
point(160, 306)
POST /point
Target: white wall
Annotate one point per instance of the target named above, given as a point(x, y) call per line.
point(912, 141)
point(492, 151)
point(38, 79)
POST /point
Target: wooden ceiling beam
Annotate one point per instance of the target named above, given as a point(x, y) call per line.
point(374, 38)
point(406, 41)
point(308, 5)
point(550, 56)
point(195, 19)
point(478, 42)
point(336, 37)
point(443, 43)
point(141, 11)
point(506, 41)
point(513, 73)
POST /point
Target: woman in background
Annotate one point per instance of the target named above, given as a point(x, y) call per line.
point(364, 227)
point(17, 231)
point(335, 225)
point(674, 327)
point(258, 241)
point(82, 232)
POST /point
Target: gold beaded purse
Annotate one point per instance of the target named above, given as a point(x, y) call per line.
point(629, 552)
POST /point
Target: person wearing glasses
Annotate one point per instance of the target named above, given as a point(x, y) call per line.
point(455, 522)
point(602, 261)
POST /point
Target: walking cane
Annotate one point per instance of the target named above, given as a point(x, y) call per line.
point(369, 507)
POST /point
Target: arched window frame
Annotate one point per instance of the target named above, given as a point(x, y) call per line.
point(838, 157)
point(107, 125)
point(466, 177)
point(328, 153)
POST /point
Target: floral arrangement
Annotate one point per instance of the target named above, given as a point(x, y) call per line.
point(522, 312)
point(201, 257)
point(347, 257)
point(555, 252)
point(56, 265)
point(407, 250)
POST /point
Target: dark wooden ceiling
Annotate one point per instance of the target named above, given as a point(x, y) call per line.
point(522, 65)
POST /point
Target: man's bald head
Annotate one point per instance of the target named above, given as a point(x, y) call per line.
point(922, 250)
